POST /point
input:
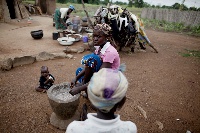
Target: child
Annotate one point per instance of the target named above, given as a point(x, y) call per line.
point(46, 80)
point(107, 93)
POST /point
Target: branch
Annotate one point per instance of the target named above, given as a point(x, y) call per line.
point(90, 22)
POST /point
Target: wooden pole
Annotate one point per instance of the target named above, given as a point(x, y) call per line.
point(90, 22)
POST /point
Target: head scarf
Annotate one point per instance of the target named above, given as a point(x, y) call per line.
point(71, 7)
point(106, 88)
point(105, 28)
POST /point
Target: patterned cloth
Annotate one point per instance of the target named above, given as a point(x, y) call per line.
point(90, 60)
point(105, 28)
point(106, 88)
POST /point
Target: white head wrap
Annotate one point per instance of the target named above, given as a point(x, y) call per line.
point(106, 88)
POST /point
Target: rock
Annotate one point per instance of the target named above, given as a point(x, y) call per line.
point(86, 46)
point(142, 111)
point(44, 56)
point(24, 60)
point(59, 55)
point(67, 50)
point(160, 125)
point(73, 50)
point(69, 56)
point(81, 50)
point(91, 47)
point(6, 64)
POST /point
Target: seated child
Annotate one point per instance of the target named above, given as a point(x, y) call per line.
point(46, 80)
point(107, 93)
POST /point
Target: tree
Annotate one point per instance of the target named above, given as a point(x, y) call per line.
point(176, 6)
point(139, 3)
point(193, 9)
point(130, 3)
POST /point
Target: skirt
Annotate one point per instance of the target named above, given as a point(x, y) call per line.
point(58, 23)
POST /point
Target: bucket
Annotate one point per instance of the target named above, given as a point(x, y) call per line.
point(56, 35)
point(85, 39)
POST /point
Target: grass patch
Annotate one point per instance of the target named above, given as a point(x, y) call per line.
point(172, 27)
point(190, 53)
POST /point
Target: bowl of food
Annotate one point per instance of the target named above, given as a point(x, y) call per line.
point(66, 41)
point(77, 37)
point(38, 34)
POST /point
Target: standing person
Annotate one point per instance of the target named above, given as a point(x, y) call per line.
point(60, 17)
point(46, 80)
point(107, 93)
point(105, 56)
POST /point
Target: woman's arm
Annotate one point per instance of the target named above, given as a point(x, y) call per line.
point(78, 89)
point(62, 21)
point(73, 82)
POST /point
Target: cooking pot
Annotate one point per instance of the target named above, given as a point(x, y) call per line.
point(38, 34)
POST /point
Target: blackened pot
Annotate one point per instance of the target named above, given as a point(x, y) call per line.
point(38, 34)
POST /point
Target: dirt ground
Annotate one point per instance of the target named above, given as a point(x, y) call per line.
point(164, 87)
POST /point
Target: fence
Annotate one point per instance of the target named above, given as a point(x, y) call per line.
point(191, 18)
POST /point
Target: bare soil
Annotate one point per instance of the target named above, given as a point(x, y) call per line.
point(164, 87)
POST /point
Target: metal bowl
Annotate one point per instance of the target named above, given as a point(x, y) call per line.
point(66, 41)
point(77, 37)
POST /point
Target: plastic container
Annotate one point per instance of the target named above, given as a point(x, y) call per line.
point(55, 35)
point(76, 20)
point(75, 27)
point(85, 39)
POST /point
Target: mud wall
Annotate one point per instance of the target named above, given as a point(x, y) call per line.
point(171, 15)
point(4, 12)
point(47, 6)
point(18, 11)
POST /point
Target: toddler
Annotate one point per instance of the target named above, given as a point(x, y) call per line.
point(46, 80)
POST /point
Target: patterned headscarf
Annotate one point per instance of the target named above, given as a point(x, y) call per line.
point(106, 88)
point(105, 28)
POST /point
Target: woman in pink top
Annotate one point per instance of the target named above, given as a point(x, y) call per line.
point(108, 55)
point(105, 56)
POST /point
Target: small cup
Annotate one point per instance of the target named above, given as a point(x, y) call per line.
point(85, 39)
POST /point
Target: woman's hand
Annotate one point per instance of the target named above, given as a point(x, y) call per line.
point(73, 83)
point(74, 91)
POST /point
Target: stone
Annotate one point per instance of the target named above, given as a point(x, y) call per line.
point(86, 46)
point(59, 55)
point(69, 56)
point(67, 50)
point(24, 60)
point(81, 50)
point(6, 64)
point(73, 50)
point(44, 56)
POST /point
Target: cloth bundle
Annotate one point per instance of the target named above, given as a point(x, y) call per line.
point(106, 88)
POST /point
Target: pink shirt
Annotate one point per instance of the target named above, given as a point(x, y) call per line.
point(109, 54)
